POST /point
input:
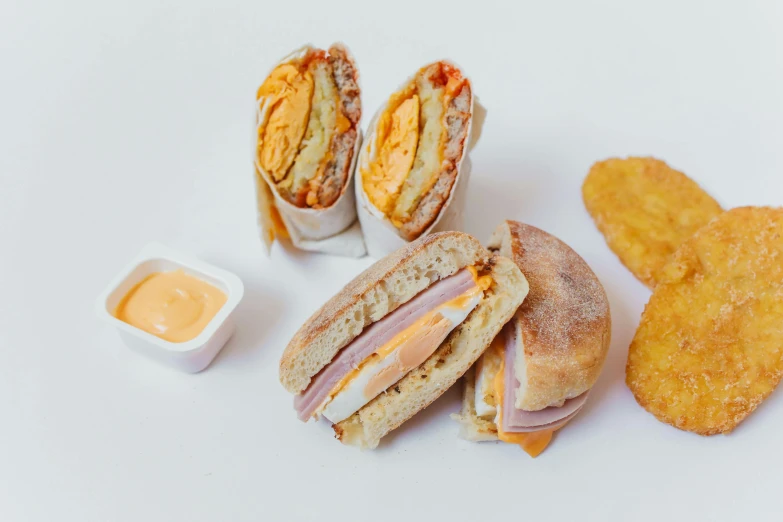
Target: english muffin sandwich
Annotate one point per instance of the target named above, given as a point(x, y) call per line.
point(399, 335)
point(538, 372)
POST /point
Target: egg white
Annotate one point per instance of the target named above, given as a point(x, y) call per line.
point(484, 378)
point(352, 398)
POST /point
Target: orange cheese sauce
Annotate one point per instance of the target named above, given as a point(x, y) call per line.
point(534, 442)
point(173, 305)
point(483, 282)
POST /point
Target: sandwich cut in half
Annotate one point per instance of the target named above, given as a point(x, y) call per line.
point(537, 373)
point(307, 129)
point(399, 335)
point(417, 143)
point(306, 143)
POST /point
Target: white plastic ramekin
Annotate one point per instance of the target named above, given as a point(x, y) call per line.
point(191, 356)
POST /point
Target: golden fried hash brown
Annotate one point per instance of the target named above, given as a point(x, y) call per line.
point(645, 210)
point(709, 348)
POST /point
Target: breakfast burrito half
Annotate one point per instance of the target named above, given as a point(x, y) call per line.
point(410, 166)
point(306, 143)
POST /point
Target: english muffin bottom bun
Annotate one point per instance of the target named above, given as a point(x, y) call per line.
point(538, 372)
point(399, 335)
point(410, 165)
point(306, 144)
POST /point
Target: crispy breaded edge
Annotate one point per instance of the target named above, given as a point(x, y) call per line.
point(373, 294)
point(564, 351)
point(686, 269)
point(646, 270)
point(420, 387)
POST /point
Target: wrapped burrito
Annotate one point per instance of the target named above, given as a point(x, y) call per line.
point(306, 143)
point(413, 168)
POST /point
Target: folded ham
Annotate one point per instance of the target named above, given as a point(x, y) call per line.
point(375, 336)
point(521, 421)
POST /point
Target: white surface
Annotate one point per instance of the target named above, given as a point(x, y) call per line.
point(190, 356)
point(122, 123)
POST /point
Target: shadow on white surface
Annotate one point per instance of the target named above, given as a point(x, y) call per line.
point(295, 255)
point(490, 201)
point(256, 316)
point(436, 413)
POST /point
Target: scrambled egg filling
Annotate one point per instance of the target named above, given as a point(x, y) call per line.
point(397, 138)
point(429, 154)
point(410, 138)
point(322, 125)
point(289, 95)
point(304, 114)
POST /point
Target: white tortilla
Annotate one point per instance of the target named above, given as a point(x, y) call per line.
point(380, 236)
point(332, 230)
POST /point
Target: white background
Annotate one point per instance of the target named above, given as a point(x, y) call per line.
point(127, 122)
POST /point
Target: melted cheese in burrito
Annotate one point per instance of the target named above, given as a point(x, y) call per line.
point(419, 141)
point(307, 130)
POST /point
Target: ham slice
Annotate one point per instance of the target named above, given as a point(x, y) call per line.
point(376, 335)
point(521, 421)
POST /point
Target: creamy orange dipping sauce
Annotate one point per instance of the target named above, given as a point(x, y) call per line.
point(174, 306)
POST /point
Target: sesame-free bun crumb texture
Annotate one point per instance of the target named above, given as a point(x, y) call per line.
point(564, 323)
point(451, 360)
point(373, 294)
